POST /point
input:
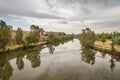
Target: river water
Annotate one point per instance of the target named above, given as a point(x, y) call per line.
point(68, 61)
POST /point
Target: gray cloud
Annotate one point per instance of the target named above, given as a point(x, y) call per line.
point(108, 3)
point(21, 8)
point(83, 9)
point(74, 12)
point(28, 13)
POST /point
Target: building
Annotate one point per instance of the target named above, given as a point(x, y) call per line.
point(55, 33)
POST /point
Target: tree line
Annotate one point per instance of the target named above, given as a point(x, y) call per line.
point(5, 35)
point(114, 37)
point(33, 37)
point(88, 38)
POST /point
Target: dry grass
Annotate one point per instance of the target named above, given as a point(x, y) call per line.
point(13, 47)
point(106, 45)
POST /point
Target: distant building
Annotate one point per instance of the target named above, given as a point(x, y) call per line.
point(55, 33)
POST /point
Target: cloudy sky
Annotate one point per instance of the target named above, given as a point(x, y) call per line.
point(69, 16)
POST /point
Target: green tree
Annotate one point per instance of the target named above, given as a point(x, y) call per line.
point(34, 28)
point(103, 39)
point(34, 35)
point(42, 31)
point(5, 34)
point(51, 37)
point(117, 40)
point(19, 36)
point(113, 42)
point(87, 38)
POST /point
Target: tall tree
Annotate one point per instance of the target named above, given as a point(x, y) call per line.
point(87, 38)
point(34, 28)
point(5, 34)
point(19, 36)
point(42, 31)
point(34, 35)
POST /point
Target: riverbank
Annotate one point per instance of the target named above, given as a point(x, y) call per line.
point(16, 47)
point(106, 46)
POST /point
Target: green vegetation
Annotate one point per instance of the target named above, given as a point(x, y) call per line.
point(34, 35)
point(19, 36)
point(88, 55)
point(117, 40)
point(114, 37)
point(56, 40)
point(87, 38)
point(52, 38)
point(103, 39)
point(33, 38)
point(5, 34)
point(104, 36)
point(11, 41)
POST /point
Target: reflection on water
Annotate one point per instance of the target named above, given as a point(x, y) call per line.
point(88, 55)
point(20, 63)
point(34, 58)
point(60, 61)
point(51, 48)
point(6, 70)
point(112, 61)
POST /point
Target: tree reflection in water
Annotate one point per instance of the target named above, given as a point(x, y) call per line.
point(103, 54)
point(20, 62)
point(88, 55)
point(112, 61)
point(34, 58)
point(6, 70)
point(51, 48)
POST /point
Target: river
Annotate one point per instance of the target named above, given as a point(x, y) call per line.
point(68, 61)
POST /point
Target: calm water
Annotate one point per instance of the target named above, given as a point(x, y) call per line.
point(67, 61)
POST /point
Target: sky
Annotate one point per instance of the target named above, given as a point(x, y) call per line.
point(69, 16)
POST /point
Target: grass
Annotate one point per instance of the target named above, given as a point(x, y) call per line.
point(12, 47)
point(106, 45)
point(15, 47)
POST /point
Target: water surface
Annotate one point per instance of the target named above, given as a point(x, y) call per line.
point(68, 61)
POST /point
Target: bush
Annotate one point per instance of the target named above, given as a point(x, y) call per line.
point(58, 38)
point(103, 39)
point(87, 38)
point(117, 40)
point(25, 45)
